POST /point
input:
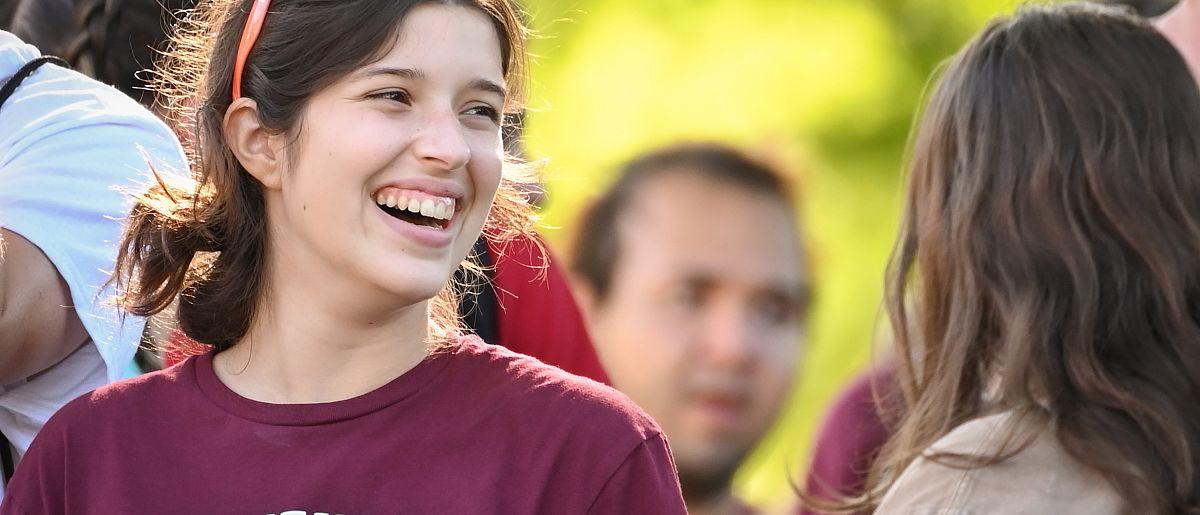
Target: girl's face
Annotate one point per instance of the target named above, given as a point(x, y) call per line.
point(394, 166)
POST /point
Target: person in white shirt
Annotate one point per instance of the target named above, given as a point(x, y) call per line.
point(71, 149)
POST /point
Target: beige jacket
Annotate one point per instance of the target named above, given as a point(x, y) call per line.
point(1041, 479)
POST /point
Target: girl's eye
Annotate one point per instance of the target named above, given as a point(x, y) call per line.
point(485, 111)
point(399, 95)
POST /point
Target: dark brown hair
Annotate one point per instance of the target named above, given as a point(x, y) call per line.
point(206, 242)
point(597, 249)
point(1147, 8)
point(7, 9)
point(1049, 258)
point(114, 42)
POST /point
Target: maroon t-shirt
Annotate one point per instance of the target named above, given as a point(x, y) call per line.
point(854, 431)
point(473, 429)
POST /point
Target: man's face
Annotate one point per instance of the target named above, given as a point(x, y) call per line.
point(704, 316)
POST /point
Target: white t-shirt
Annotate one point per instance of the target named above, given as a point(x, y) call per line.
point(72, 152)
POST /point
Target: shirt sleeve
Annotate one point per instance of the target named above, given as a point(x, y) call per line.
point(646, 482)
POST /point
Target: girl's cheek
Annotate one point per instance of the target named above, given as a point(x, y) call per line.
point(488, 168)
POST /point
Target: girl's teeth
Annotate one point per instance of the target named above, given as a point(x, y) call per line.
point(438, 210)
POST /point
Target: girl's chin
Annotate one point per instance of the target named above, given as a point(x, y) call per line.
point(399, 280)
point(403, 293)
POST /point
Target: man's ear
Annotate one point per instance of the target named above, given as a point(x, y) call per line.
point(258, 149)
point(585, 298)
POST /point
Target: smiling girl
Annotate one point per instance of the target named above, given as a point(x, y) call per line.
point(347, 154)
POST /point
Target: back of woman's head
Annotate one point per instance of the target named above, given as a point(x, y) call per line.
point(1049, 260)
point(114, 41)
point(206, 242)
point(46, 24)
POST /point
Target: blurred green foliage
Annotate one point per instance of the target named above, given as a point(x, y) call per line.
point(828, 87)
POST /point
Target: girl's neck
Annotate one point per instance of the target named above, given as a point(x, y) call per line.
point(1181, 25)
point(310, 343)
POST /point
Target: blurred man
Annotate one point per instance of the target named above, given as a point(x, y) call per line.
point(1181, 25)
point(692, 281)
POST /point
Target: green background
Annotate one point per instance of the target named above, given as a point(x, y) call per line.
point(829, 88)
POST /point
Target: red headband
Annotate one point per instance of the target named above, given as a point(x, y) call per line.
point(254, 24)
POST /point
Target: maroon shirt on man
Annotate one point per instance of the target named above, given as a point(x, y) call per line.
point(854, 431)
point(472, 429)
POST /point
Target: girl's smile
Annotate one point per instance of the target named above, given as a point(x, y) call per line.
point(424, 213)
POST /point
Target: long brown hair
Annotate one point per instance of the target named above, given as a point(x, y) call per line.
point(205, 242)
point(1049, 258)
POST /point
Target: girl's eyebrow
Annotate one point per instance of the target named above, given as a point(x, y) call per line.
point(413, 74)
point(488, 86)
point(404, 73)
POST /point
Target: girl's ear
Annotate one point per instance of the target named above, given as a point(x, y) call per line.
point(258, 149)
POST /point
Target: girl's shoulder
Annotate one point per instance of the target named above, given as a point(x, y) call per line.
point(132, 399)
point(1038, 477)
point(525, 383)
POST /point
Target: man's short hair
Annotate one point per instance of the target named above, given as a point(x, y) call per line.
point(597, 246)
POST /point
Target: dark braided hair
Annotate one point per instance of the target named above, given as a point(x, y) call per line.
point(114, 41)
point(7, 9)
